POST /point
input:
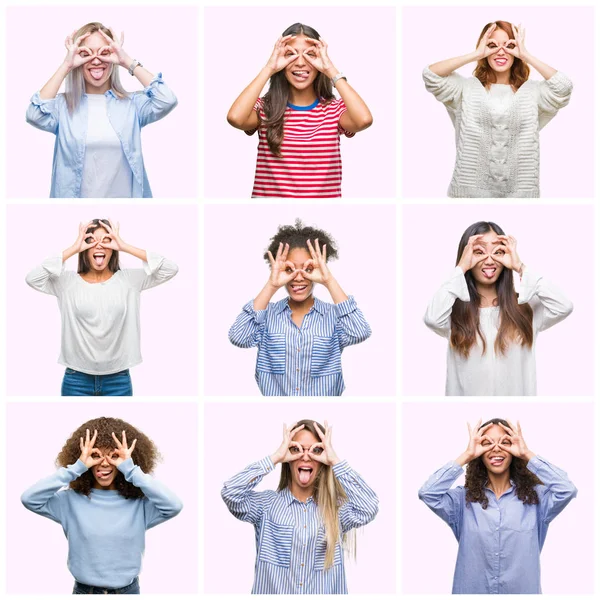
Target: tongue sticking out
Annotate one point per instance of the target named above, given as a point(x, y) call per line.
point(97, 73)
point(99, 260)
point(304, 476)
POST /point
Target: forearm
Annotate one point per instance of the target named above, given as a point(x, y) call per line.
point(337, 293)
point(140, 73)
point(242, 109)
point(50, 90)
point(129, 249)
point(70, 251)
point(546, 71)
point(357, 112)
point(264, 297)
point(443, 68)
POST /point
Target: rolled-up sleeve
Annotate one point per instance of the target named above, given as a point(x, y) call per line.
point(43, 114)
point(154, 102)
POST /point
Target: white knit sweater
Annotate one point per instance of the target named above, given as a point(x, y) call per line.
point(497, 132)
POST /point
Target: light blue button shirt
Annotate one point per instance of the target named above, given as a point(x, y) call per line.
point(127, 116)
point(499, 547)
point(290, 536)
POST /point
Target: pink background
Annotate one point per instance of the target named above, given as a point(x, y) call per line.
point(236, 238)
point(171, 548)
point(369, 159)
point(169, 313)
point(255, 433)
point(562, 37)
point(164, 39)
point(555, 241)
point(427, 541)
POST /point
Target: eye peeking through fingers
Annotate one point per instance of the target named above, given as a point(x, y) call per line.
point(511, 46)
point(318, 450)
point(294, 450)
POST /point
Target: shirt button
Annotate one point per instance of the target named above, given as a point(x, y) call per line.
point(299, 351)
point(301, 564)
point(297, 369)
point(497, 528)
point(305, 528)
point(496, 554)
point(297, 389)
point(300, 583)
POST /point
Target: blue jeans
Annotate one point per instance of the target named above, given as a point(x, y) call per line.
point(76, 383)
point(82, 588)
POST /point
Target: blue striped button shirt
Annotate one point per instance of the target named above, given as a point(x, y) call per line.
point(305, 360)
point(498, 548)
point(290, 537)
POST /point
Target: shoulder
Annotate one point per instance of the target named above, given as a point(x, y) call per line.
point(333, 105)
point(277, 307)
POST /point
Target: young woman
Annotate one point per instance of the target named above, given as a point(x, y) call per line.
point(97, 124)
point(300, 339)
point(491, 329)
point(299, 120)
point(301, 528)
point(501, 515)
point(110, 501)
point(100, 308)
point(498, 114)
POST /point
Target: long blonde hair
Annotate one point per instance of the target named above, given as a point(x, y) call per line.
point(329, 496)
point(75, 84)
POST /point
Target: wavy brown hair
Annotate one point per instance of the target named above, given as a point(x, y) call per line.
point(275, 101)
point(83, 263)
point(516, 320)
point(477, 477)
point(519, 71)
point(145, 454)
point(328, 494)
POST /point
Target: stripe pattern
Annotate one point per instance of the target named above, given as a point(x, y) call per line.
point(310, 165)
point(300, 361)
point(290, 537)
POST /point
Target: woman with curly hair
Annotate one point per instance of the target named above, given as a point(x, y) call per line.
point(302, 527)
point(300, 339)
point(491, 329)
point(498, 113)
point(501, 515)
point(97, 124)
point(299, 120)
point(110, 501)
point(100, 308)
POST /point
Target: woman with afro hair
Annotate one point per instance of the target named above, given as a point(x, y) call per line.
point(501, 515)
point(105, 499)
point(300, 339)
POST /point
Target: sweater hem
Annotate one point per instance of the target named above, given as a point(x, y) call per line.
point(462, 191)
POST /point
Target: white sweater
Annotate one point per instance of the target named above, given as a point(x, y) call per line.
point(511, 374)
point(100, 321)
point(497, 132)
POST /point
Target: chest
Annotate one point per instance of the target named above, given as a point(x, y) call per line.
point(317, 126)
point(99, 302)
point(505, 514)
point(101, 134)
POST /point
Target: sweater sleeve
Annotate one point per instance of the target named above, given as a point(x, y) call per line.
point(553, 94)
point(550, 306)
point(351, 323)
point(557, 490)
point(43, 114)
point(247, 330)
point(362, 505)
point(238, 493)
point(448, 90)
point(154, 102)
point(160, 503)
point(46, 277)
point(156, 271)
point(44, 498)
point(446, 502)
point(437, 316)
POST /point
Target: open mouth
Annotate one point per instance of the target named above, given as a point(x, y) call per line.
point(298, 289)
point(489, 272)
point(99, 258)
point(103, 474)
point(97, 72)
point(300, 75)
point(501, 61)
point(304, 474)
point(497, 461)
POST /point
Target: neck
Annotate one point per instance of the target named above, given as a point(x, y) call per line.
point(302, 97)
point(300, 493)
point(503, 78)
point(97, 486)
point(499, 482)
point(92, 89)
point(98, 276)
point(488, 294)
point(301, 307)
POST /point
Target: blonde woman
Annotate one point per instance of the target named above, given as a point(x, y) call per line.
point(97, 124)
point(301, 527)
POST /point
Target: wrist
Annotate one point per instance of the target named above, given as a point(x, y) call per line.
point(331, 71)
point(334, 460)
point(275, 459)
point(464, 458)
point(125, 61)
point(65, 68)
point(527, 455)
point(518, 268)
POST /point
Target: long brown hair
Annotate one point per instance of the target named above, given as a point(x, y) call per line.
point(519, 71)
point(275, 101)
point(516, 320)
point(329, 495)
point(476, 478)
point(83, 263)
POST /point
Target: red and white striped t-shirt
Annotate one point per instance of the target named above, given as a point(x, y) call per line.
point(310, 165)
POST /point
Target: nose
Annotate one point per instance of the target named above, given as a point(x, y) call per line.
point(104, 462)
point(96, 61)
point(488, 260)
point(299, 277)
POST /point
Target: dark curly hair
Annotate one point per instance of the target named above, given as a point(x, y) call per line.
point(296, 235)
point(145, 455)
point(523, 479)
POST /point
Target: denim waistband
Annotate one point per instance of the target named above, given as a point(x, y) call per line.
point(95, 589)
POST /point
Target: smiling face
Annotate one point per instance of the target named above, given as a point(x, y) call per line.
point(488, 270)
point(96, 73)
point(99, 256)
point(501, 61)
point(104, 473)
point(299, 288)
point(300, 73)
point(497, 459)
point(305, 469)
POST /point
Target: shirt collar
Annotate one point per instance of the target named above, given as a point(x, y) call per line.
point(290, 498)
point(110, 93)
point(318, 305)
point(508, 491)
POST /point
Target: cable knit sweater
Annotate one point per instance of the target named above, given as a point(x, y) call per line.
point(497, 132)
